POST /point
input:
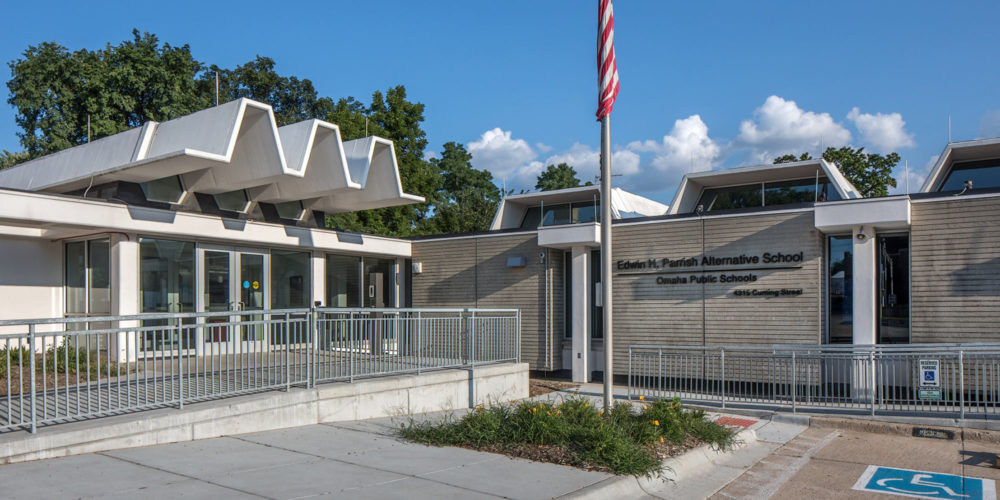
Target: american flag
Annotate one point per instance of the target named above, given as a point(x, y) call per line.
point(607, 70)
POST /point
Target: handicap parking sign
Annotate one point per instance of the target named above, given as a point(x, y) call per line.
point(921, 484)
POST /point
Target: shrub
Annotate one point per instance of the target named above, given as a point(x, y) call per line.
point(623, 441)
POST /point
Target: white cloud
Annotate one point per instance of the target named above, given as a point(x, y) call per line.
point(686, 148)
point(541, 146)
point(587, 162)
point(506, 158)
point(881, 133)
point(779, 127)
point(916, 176)
point(989, 126)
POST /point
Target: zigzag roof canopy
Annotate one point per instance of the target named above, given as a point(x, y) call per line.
point(236, 145)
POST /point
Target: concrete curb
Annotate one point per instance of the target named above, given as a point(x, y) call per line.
point(903, 429)
point(675, 468)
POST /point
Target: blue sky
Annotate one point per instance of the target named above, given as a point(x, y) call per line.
point(704, 84)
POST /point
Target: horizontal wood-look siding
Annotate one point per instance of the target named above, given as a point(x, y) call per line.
point(473, 272)
point(709, 314)
point(955, 268)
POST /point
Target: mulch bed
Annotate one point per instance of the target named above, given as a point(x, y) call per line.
point(538, 386)
point(558, 455)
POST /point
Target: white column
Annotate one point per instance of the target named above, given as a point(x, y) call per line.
point(581, 313)
point(125, 291)
point(864, 317)
point(864, 285)
point(318, 279)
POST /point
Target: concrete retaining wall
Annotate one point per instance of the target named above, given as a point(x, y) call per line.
point(335, 402)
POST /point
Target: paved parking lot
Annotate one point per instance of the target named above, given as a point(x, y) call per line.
point(827, 463)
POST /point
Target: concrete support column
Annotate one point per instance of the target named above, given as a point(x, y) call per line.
point(318, 278)
point(865, 312)
point(125, 291)
point(864, 285)
point(580, 256)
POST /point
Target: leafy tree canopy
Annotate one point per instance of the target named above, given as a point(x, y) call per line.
point(871, 173)
point(118, 87)
point(466, 199)
point(559, 176)
point(123, 86)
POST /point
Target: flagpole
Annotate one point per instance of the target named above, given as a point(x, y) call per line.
point(606, 257)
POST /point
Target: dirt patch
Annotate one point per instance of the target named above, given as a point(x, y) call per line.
point(538, 386)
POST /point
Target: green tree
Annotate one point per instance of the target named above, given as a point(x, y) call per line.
point(466, 199)
point(122, 86)
point(9, 159)
point(393, 116)
point(870, 173)
point(789, 158)
point(291, 98)
point(559, 176)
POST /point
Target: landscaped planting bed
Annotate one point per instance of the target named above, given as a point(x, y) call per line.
point(626, 440)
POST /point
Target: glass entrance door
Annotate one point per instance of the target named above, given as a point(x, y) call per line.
point(233, 280)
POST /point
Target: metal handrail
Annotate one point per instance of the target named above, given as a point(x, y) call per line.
point(958, 379)
point(110, 364)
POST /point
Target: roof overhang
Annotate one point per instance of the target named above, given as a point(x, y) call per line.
point(956, 152)
point(693, 184)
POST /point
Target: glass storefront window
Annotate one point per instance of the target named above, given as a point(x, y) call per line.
point(290, 283)
point(556, 215)
point(893, 289)
point(731, 197)
point(343, 281)
point(76, 278)
point(774, 194)
point(983, 174)
point(87, 273)
point(166, 285)
point(840, 290)
point(165, 190)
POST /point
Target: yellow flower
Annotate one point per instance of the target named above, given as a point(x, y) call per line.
point(656, 422)
point(661, 439)
point(642, 398)
point(602, 412)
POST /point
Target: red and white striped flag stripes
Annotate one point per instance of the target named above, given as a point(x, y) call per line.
point(607, 69)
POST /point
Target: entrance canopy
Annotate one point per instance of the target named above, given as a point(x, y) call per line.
point(232, 147)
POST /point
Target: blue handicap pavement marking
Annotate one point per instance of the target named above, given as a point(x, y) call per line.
point(922, 484)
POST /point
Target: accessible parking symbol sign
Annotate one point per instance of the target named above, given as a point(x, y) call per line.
point(921, 484)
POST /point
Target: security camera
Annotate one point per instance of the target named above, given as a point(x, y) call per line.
point(861, 234)
point(541, 256)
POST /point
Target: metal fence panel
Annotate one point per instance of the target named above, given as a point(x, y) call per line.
point(879, 379)
point(65, 369)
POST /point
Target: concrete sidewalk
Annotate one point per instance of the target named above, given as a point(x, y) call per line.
point(365, 459)
point(352, 460)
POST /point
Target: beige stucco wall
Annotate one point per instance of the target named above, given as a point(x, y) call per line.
point(30, 278)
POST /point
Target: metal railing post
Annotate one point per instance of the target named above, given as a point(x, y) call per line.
point(629, 381)
point(180, 372)
point(722, 367)
point(961, 382)
point(288, 354)
point(31, 367)
point(352, 329)
point(312, 348)
point(472, 337)
point(794, 382)
point(517, 337)
point(419, 348)
point(872, 379)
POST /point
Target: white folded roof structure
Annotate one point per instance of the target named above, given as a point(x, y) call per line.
point(230, 147)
